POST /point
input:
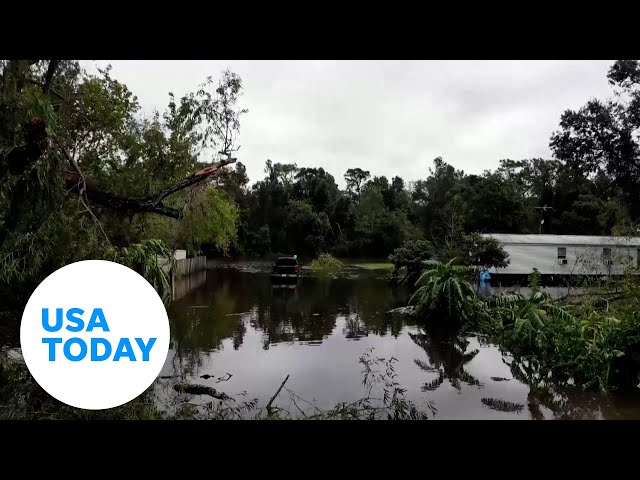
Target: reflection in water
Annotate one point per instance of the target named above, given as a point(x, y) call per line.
point(185, 284)
point(447, 356)
point(234, 321)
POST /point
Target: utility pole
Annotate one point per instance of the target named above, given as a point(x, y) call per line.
point(544, 209)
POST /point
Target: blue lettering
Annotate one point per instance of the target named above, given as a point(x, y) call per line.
point(67, 349)
point(52, 346)
point(77, 320)
point(45, 320)
point(124, 349)
point(94, 349)
point(145, 349)
point(97, 321)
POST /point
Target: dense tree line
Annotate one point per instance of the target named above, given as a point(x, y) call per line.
point(81, 172)
point(590, 187)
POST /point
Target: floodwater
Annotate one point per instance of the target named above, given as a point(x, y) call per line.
point(243, 334)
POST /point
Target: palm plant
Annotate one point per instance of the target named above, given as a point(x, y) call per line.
point(443, 288)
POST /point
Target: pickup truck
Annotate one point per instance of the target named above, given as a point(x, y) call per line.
point(286, 268)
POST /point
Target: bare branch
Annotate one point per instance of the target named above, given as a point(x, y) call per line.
point(197, 177)
point(117, 202)
point(275, 395)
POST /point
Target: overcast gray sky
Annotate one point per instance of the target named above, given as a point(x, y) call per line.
point(389, 117)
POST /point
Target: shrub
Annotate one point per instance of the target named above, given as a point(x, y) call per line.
point(443, 289)
point(326, 263)
point(592, 348)
point(411, 255)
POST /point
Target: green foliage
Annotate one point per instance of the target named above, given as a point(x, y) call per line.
point(26, 258)
point(600, 138)
point(22, 398)
point(326, 263)
point(211, 219)
point(481, 251)
point(151, 258)
point(355, 178)
point(444, 292)
point(375, 266)
point(591, 348)
point(92, 121)
point(411, 255)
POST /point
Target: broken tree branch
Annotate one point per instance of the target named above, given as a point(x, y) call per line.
point(275, 395)
point(117, 202)
point(82, 188)
point(36, 139)
point(51, 70)
point(151, 204)
point(197, 177)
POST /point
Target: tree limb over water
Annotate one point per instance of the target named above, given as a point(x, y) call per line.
point(152, 204)
point(37, 143)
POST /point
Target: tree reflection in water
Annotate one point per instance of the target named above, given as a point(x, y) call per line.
point(234, 308)
point(231, 300)
point(563, 401)
point(354, 327)
point(447, 355)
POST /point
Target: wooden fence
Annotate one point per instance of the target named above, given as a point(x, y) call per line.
point(187, 283)
point(187, 266)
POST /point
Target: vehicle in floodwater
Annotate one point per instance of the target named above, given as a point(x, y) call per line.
point(286, 270)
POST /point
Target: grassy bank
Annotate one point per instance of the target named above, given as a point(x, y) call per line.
point(375, 266)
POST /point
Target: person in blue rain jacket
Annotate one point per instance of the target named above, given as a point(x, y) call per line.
point(484, 289)
point(485, 276)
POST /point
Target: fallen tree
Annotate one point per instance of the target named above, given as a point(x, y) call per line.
point(37, 143)
point(80, 168)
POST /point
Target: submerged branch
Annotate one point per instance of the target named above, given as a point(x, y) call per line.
point(275, 395)
point(195, 389)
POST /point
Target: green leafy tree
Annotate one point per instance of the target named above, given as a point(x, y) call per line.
point(411, 255)
point(482, 251)
point(81, 172)
point(600, 137)
point(356, 178)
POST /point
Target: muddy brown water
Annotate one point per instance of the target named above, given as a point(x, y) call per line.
point(244, 334)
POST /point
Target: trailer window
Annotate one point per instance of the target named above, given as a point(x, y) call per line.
point(562, 252)
point(606, 254)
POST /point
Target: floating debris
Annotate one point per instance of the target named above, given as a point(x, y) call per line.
point(403, 310)
point(193, 389)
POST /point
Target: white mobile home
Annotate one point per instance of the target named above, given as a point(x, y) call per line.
point(568, 254)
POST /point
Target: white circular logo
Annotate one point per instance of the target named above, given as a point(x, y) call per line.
point(94, 334)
